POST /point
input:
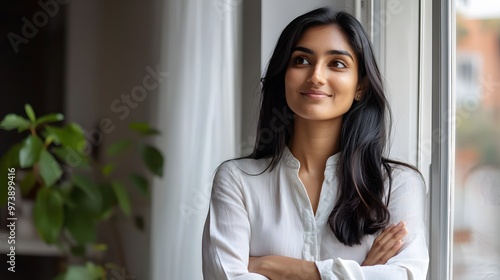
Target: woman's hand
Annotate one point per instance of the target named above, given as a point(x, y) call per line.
point(278, 267)
point(386, 245)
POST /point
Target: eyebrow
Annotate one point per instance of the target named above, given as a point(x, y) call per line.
point(330, 52)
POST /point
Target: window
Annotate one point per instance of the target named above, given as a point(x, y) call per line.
point(476, 246)
point(468, 72)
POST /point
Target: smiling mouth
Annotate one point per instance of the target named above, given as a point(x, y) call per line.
point(315, 94)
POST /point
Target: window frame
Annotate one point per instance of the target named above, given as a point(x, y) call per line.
point(434, 124)
point(442, 167)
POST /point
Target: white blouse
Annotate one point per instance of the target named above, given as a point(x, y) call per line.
point(270, 214)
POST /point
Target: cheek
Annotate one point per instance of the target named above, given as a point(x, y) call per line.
point(344, 84)
point(293, 80)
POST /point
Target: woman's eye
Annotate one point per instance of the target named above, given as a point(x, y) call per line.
point(300, 61)
point(338, 64)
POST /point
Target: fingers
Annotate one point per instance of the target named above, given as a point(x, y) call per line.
point(392, 252)
point(389, 233)
point(386, 245)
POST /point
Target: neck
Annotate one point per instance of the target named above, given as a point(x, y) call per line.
point(314, 141)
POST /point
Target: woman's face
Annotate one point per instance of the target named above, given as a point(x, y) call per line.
point(321, 81)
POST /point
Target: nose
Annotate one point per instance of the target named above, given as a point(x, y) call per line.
point(317, 76)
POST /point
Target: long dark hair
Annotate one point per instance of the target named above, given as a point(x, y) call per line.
point(362, 167)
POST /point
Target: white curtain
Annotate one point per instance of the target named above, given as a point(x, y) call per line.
point(198, 119)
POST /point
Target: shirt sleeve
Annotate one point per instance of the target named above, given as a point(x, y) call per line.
point(226, 236)
point(407, 203)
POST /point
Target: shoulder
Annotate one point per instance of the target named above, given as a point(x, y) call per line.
point(233, 177)
point(243, 167)
point(236, 169)
point(406, 178)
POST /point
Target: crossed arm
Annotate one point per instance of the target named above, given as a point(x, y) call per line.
point(384, 247)
point(227, 233)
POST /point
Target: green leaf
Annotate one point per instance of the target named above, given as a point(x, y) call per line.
point(65, 189)
point(49, 118)
point(107, 214)
point(81, 220)
point(11, 157)
point(70, 157)
point(13, 121)
point(139, 222)
point(48, 141)
point(153, 159)
point(48, 214)
point(88, 187)
point(143, 128)
point(118, 147)
point(108, 200)
point(27, 183)
point(122, 197)
point(30, 113)
point(70, 136)
point(96, 271)
point(100, 247)
point(88, 272)
point(50, 171)
point(81, 223)
point(76, 272)
point(141, 182)
point(30, 151)
point(107, 169)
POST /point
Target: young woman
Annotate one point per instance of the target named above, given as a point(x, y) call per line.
point(317, 199)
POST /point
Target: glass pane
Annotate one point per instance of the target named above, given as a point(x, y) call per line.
point(476, 245)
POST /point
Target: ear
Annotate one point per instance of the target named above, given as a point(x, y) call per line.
point(362, 86)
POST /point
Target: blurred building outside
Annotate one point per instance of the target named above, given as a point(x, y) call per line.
point(476, 247)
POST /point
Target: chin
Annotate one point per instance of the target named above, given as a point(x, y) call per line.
point(318, 117)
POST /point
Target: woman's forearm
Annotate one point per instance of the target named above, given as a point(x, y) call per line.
point(278, 267)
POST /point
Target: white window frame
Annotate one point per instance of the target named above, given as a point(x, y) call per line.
point(443, 112)
point(432, 128)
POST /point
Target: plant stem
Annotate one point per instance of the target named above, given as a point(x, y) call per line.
point(36, 173)
point(118, 243)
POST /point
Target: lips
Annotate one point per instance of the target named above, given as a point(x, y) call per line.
point(315, 94)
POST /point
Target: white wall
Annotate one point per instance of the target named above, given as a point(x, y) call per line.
point(109, 44)
point(276, 14)
point(401, 61)
point(82, 49)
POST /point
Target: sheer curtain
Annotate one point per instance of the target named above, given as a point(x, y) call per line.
point(199, 119)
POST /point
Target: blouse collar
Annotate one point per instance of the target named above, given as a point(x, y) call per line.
point(293, 162)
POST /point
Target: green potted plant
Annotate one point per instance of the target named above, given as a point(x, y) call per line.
point(70, 200)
